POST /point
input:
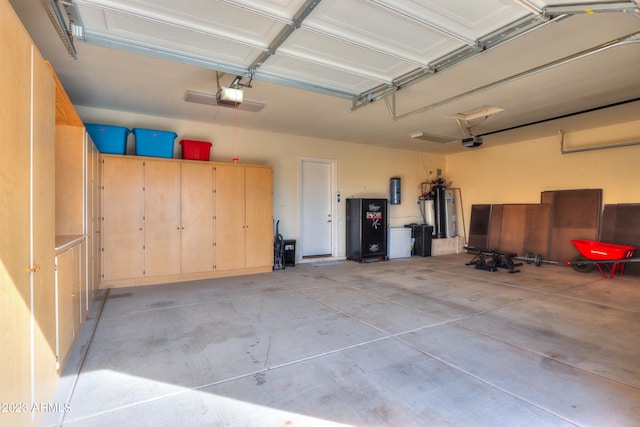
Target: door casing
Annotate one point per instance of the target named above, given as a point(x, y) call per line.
point(333, 177)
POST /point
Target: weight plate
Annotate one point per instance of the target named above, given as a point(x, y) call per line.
point(528, 257)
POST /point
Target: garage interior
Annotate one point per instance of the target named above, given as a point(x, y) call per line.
point(411, 342)
point(524, 111)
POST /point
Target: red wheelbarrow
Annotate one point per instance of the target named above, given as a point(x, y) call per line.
point(613, 257)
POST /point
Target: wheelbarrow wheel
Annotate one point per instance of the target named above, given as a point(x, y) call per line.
point(582, 265)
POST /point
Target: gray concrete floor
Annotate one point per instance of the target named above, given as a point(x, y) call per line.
point(407, 342)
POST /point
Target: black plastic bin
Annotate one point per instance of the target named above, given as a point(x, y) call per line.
point(289, 252)
point(422, 235)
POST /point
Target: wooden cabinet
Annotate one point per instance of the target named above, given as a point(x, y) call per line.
point(171, 220)
point(14, 223)
point(122, 218)
point(161, 217)
point(70, 297)
point(93, 210)
point(44, 197)
point(197, 216)
point(27, 114)
point(75, 194)
point(70, 182)
point(45, 376)
point(230, 217)
point(259, 216)
point(244, 216)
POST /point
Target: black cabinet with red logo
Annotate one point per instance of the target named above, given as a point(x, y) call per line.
point(366, 229)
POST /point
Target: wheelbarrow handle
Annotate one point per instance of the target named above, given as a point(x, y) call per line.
point(602, 261)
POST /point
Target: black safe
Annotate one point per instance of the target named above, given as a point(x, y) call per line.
point(366, 229)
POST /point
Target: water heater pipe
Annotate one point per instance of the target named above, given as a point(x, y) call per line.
point(464, 226)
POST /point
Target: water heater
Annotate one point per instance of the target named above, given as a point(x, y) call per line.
point(444, 209)
point(450, 213)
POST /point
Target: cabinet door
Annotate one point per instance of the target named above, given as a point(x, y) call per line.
point(65, 304)
point(230, 220)
point(92, 218)
point(70, 167)
point(15, 110)
point(161, 217)
point(197, 217)
point(43, 231)
point(259, 216)
point(122, 224)
point(70, 291)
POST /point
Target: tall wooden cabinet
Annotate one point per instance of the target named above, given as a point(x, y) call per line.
point(230, 218)
point(15, 136)
point(43, 229)
point(93, 211)
point(162, 226)
point(168, 220)
point(122, 218)
point(27, 322)
point(197, 204)
point(244, 224)
point(258, 216)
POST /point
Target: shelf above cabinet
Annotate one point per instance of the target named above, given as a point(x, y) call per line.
point(64, 242)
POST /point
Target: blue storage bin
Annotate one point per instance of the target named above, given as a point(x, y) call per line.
point(154, 143)
point(108, 139)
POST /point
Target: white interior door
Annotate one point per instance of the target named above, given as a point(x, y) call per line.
point(317, 208)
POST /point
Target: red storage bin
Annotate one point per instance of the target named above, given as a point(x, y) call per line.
point(195, 150)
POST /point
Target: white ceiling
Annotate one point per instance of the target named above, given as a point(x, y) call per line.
point(367, 71)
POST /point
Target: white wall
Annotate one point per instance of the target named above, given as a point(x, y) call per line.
point(363, 170)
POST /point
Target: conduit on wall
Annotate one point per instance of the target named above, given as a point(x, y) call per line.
point(561, 134)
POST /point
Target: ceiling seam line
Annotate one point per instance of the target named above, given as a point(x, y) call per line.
point(529, 6)
point(334, 66)
point(197, 30)
point(226, 2)
point(629, 39)
point(365, 46)
point(427, 24)
point(255, 11)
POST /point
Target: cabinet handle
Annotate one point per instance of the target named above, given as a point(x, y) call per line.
point(34, 268)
